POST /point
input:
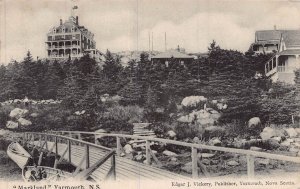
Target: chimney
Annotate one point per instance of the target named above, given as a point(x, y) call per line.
point(77, 20)
point(60, 21)
point(275, 28)
point(178, 48)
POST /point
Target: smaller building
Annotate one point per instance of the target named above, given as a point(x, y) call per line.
point(172, 56)
point(282, 65)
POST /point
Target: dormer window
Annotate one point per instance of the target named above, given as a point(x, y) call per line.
point(73, 29)
point(54, 30)
point(63, 30)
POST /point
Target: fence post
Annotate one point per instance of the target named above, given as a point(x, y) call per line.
point(56, 148)
point(113, 164)
point(87, 165)
point(250, 166)
point(118, 146)
point(194, 162)
point(69, 150)
point(148, 155)
point(96, 140)
point(24, 138)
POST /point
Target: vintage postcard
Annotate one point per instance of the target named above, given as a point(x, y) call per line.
point(170, 94)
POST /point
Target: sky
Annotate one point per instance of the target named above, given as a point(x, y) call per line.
point(121, 25)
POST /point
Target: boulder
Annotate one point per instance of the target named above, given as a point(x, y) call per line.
point(232, 163)
point(192, 101)
point(196, 140)
point(254, 122)
point(267, 133)
point(287, 142)
point(24, 122)
point(291, 132)
point(169, 153)
point(173, 159)
point(12, 125)
point(206, 155)
point(171, 134)
point(215, 142)
point(278, 139)
point(18, 113)
point(34, 115)
point(128, 149)
point(187, 167)
point(254, 148)
point(271, 144)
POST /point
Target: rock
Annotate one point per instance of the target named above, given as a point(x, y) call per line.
point(12, 125)
point(100, 131)
point(196, 140)
point(254, 148)
point(214, 101)
point(3, 132)
point(267, 133)
point(139, 157)
point(173, 159)
point(294, 150)
point(291, 132)
point(215, 142)
point(154, 151)
point(280, 133)
point(285, 143)
point(192, 101)
point(34, 115)
point(128, 149)
point(145, 162)
point(24, 122)
point(187, 167)
point(206, 155)
point(18, 113)
point(232, 163)
point(254, 122)
point(278, 138)
point(169, 153)
point(171, 134)
point(122, 154)
point(271, 144)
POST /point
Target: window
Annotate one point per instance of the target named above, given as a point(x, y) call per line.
point(63, 30)
point(182, 63)
point(54, 30)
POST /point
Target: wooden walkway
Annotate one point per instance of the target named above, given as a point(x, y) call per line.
point(125, 169)
point(70, 146)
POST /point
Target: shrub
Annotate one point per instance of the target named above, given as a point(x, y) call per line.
point(113, 125)
point(131, 114)
point(186, 130)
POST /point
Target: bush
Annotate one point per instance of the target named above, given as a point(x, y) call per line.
point(113, 125)
point(4, 116)
point(186, 130)
point(131, 114)
point(160, 129)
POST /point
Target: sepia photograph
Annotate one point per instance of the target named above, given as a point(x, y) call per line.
point(138, 94)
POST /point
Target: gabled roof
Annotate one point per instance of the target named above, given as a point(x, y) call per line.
point(268, 35)
point(172, 54)
point(291, 38)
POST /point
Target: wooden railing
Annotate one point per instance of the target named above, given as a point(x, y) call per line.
point(250, 155)
point(43, 139)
